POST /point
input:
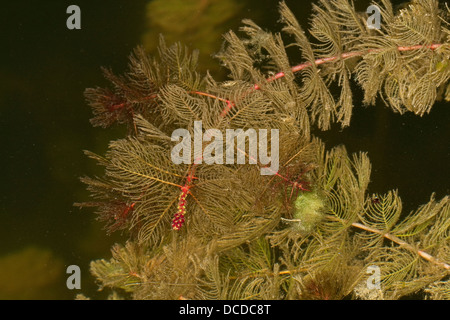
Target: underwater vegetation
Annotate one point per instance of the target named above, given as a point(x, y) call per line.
point(308, 230)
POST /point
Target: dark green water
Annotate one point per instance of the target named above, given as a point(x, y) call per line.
point(44, 127)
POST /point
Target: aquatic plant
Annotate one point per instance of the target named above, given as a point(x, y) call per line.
point(309, 230)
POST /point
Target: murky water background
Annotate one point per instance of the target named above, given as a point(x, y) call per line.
point(44, 126)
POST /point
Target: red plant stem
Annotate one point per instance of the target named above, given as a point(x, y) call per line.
point(118, 106)
point(297, 68)
point(346, 55)
point(115, 107)
point(229, 103)
point(125, 212)
point(210, 96)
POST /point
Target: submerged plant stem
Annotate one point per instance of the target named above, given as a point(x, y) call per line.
point(403, 244)
point(317, 62)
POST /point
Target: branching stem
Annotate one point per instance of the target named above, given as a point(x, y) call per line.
point(297, 68)
point(403, 244)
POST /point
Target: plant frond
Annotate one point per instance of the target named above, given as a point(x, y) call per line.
point(384, 213)
point(440, 290)
point(306, 231)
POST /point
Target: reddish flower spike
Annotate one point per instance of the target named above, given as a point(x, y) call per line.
point(178, 219)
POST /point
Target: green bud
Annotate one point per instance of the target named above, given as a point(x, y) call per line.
point(309, 211)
